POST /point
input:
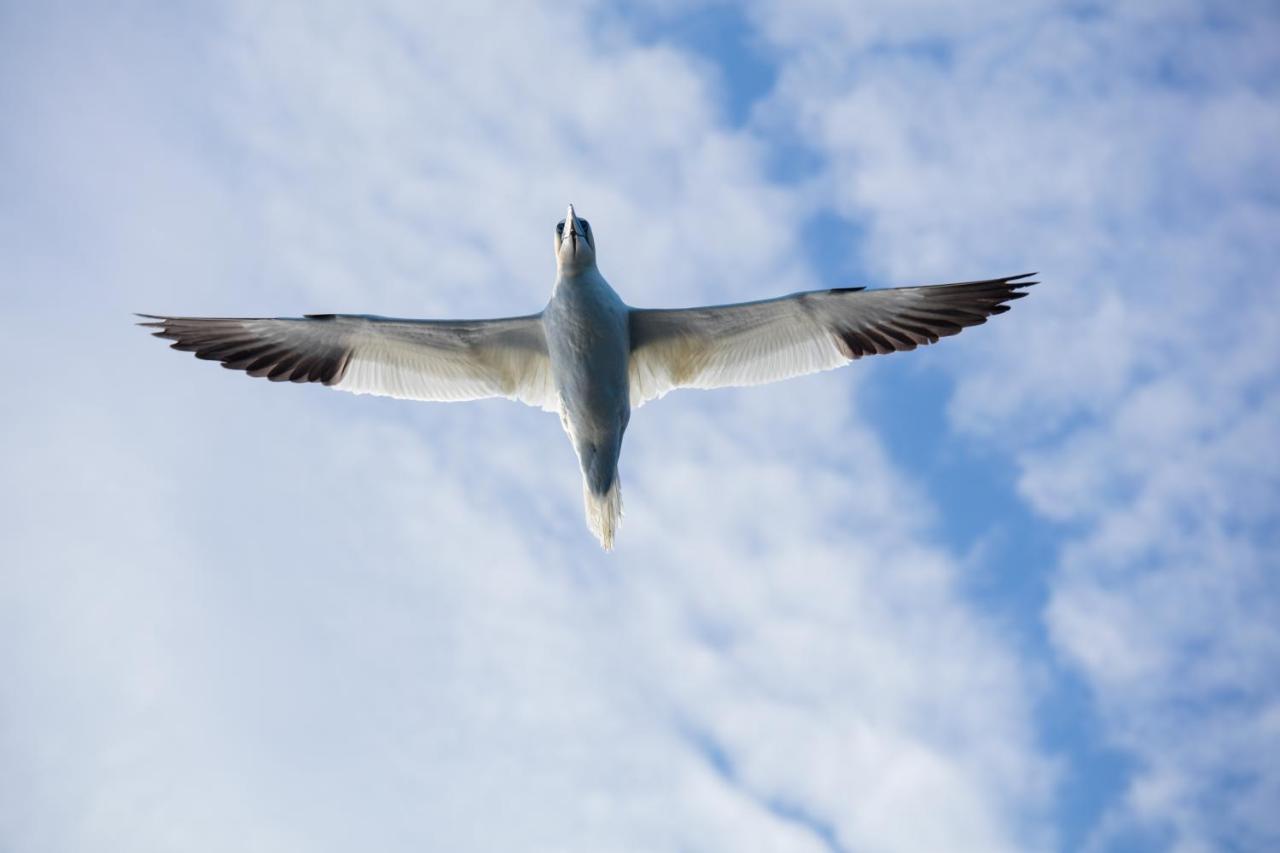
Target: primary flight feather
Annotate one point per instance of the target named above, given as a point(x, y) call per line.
point(588, 356)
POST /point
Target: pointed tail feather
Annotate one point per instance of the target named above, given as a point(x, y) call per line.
point(604, 512)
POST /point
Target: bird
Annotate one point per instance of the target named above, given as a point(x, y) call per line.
point(588, 356)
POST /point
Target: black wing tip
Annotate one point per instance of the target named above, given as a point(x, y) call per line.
point(258, 358)
point(1006, 283)
point(1017, 280)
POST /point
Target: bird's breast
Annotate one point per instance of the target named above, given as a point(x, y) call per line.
point(587, 339)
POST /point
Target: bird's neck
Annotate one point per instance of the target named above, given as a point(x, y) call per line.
point(578, 275)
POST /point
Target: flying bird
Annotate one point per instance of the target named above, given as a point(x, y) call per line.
point(588, 356)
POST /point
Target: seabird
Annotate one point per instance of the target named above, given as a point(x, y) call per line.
point(588, 356)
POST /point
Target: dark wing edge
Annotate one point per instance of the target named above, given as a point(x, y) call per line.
point(902, 318)
point(261, 346)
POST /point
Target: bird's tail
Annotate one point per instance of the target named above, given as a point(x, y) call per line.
point(604, 511)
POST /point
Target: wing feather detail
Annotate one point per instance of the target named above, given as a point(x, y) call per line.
point(755, 342)
point(437, 360)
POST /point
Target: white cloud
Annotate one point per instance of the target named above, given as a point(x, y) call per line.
point(262, 617)
point(1126, 153)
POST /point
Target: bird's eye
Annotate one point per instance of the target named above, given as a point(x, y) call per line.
point(560, 227)
point(585, 224)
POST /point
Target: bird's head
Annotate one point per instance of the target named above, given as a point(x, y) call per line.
point(575, 244)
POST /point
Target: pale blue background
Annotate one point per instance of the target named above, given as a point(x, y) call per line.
point(1017, 591)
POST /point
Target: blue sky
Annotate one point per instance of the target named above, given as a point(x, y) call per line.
point(1017, 591)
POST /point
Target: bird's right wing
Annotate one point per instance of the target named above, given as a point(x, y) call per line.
point(412, 359)
point(754, 342)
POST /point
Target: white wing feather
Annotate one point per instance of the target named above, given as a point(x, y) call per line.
point(436, 360)
point(755, 342)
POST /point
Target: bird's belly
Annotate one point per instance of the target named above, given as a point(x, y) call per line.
point(591, 381)
point(593, 389)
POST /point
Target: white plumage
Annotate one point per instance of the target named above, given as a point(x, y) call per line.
point(588, 356)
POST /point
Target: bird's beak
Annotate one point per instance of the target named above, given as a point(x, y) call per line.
point(571, 225)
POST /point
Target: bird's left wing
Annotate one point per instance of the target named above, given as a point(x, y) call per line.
point(412, 359)
point(755, 342)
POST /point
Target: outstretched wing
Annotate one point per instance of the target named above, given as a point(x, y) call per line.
point(412, 359)
point(755, 342)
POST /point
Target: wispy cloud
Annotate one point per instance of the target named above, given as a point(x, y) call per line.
point(243, 615)
point(254, 616)
point(1127, 152)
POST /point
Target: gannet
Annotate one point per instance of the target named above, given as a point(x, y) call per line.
point(588, 356)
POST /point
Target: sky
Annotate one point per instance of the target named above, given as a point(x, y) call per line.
point(1018, 591)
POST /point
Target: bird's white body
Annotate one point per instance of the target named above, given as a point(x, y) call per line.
point(588, 356)
point(586, 325)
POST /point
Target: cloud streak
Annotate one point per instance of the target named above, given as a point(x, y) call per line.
point(1137, 174)
point(240, 615)
point(265, 617)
